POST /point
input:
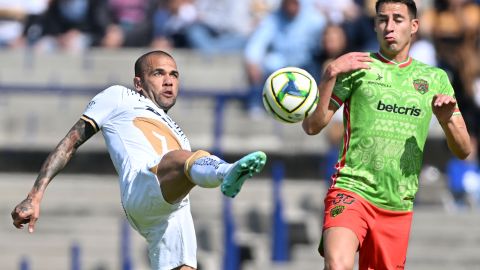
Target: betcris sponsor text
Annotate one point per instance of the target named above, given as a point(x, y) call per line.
point(394, 108)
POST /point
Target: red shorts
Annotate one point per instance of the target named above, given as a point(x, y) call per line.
point(383, 234)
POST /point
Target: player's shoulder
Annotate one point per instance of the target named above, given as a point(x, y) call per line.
point(118, 92)
point(115, 89)
point(421, 65)
point(433, 71)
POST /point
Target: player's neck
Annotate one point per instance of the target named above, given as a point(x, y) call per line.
point(395, 57)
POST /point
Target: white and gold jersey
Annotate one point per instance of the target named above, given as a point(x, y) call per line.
point(136, 131)
point(137, 134)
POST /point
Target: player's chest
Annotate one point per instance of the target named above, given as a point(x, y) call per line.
point(151, 116)
point(389, 95)
point(394, 89)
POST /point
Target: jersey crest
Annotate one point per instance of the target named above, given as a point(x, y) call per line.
point(420, 85)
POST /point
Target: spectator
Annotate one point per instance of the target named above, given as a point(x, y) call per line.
point(13, 16)
point(338, 11)
point(464, 179)
point(424, 51)
point(170, 20)
point(358, 26)
point(212, 33)
point(333, 44)
point(130, 23)
point(286, 37)
point(259, 9)
point(454, 26)
point(71, 25)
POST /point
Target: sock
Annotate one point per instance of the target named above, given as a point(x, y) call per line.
point(206, 170)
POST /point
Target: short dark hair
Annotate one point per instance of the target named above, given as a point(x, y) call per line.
point(140, 63)
point(412, 7)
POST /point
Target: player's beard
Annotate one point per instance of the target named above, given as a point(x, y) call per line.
point(167, 105)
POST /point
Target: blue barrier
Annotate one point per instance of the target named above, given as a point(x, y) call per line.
point(24, 263)
point(125, 246)
point(231, 256)
point(75, 257)
point(280, 245)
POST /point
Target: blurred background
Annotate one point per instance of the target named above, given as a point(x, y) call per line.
point(55, 55)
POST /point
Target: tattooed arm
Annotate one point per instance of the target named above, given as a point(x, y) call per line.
point(28, 210)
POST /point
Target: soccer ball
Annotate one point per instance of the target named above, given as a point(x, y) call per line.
point(290, 94)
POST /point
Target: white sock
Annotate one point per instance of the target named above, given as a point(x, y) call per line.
point(209, 171)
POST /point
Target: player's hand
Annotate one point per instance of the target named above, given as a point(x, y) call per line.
point(25, 212)
point(443, 106)
point(349, 62)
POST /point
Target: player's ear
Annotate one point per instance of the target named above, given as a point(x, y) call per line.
point(138, 83)
point(414, 26)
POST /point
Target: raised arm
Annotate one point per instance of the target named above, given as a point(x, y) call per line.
point(453, 126)
point(325, 110)
point(28, 210)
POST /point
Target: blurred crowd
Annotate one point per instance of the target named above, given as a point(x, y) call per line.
point(269, 33)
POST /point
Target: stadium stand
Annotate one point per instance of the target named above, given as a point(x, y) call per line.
point(74, 212)
point(37, 88)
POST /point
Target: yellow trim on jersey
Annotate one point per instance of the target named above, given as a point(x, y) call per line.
point(90, 121)
point(188, 164)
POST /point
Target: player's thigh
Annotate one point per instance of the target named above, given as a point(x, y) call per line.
point(172, 242)
point(340, 246)
point(345, 226)
point(388, 240)
point(170, 166)
point(169, 169)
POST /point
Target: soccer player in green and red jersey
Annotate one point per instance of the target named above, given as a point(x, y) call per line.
point(388, 100)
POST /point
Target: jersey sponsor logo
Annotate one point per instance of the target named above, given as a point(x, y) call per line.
point(420, 85)
point(174, 126)
point(379, 83)
point(413, 111)
point(207, 161)
point(90, 104)
point(337, 210)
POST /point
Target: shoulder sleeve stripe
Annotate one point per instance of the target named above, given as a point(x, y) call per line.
point(335, 100)
point(91, 122)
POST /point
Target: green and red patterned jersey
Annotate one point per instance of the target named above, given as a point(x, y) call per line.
point(387, 113)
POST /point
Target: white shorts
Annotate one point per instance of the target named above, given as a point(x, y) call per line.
point(168, 228)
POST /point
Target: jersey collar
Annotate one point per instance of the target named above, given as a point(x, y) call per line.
point(384, 59)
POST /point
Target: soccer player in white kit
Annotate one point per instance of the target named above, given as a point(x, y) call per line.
point(152, 156)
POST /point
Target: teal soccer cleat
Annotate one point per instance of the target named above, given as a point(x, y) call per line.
point(241, 171)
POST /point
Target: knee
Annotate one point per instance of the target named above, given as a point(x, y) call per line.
point(172, 162)
point(338, 264)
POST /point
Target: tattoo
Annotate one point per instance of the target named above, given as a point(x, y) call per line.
point(63, 153)
point(26, 205)
point(22, 209)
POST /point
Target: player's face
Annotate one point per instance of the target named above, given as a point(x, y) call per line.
point(395, 28)
point(160, 81)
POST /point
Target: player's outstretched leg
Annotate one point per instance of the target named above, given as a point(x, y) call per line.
point(240, 171)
